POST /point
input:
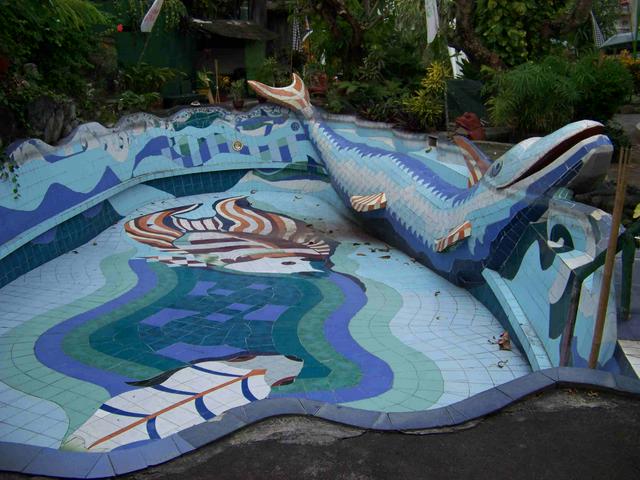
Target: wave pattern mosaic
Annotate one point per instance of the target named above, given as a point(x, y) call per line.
point(191, 306)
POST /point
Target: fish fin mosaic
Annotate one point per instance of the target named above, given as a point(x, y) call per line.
point(455, 236)
point(368, 203)
point(475, 159)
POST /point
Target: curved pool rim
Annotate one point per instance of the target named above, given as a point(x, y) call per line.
point(33, 460)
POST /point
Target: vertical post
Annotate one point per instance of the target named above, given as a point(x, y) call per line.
point(605, 287)
point(215, 66)
point(634, 28)
point(628, 256)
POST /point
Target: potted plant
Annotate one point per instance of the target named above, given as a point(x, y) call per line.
point(204, 84)
point(237, 93)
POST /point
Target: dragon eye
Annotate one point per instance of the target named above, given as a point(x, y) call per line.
point(495, 170)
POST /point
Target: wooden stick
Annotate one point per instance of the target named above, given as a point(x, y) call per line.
point(217, 80)
point(605, 287)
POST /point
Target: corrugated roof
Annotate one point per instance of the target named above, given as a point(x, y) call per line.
point(234, 29)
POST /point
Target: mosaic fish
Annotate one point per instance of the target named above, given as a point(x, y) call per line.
point(455, 231)
point(237, 237)
point(182, 398)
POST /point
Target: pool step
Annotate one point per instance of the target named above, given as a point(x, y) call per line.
point(524, 332)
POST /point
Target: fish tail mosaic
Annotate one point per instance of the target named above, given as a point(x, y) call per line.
point(168, 281)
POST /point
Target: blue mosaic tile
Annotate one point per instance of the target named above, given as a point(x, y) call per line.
point(204, 433)
point(626, 384)
point(16, 457)
point(301, 325)
point(272, 407)
point(102, 468)
point(435, 418)
point(63, 464)
point(125, 461)
point(482, 404)
point(160, 451)
point(584, 376)
point(527, 385)
point(349, 416)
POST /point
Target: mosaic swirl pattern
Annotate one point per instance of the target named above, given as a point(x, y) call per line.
point(191, 306)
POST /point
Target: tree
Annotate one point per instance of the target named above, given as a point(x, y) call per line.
point(348, 21)
point(502, 33)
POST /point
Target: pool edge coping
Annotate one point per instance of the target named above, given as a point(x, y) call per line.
point(33, 460)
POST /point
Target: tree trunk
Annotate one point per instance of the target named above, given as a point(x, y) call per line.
point(466, 38)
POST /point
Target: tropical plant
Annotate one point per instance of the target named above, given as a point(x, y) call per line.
point(372, 65)
point(604, 85)
point(427, 104)
point(144, 78)
point(204, 78)
point(45, 50)
point(503, 33)
point(267, 72)
point(633, 66)
point(134, 102)
point(533, 97)
point(237, 89)
point(541, 97)
point(9, 173)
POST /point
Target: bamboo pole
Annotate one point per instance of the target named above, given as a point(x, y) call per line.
point(217, 98)
point(605, 288)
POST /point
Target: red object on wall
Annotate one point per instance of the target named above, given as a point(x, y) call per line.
point(120, 27)
point(470, 122)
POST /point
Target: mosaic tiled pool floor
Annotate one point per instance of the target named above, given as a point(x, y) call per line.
point(191, 306)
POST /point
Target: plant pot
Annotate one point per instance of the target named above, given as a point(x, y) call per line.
point(238, 103)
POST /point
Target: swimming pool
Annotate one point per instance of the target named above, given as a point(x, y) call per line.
point(171, 280)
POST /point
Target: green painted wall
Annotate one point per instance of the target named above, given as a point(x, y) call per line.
point(254, 55)
point(164, 49)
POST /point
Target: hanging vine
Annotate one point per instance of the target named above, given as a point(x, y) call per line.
point(9, 173)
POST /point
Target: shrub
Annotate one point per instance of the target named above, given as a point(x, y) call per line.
point(145, 78)
point(533, 97)
point(135, 102)
point(378, 101)
point(45, 50)
point(272, 73)
point(427, 104)
point(633, 67)
point(604, 85)
point(541, 97)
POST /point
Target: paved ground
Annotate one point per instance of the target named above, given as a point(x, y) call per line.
point(563, 434)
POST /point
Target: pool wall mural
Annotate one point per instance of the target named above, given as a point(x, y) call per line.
point(198, 273)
